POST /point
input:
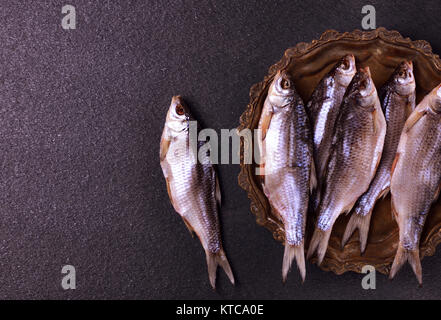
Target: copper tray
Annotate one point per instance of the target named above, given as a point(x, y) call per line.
point(382, 51)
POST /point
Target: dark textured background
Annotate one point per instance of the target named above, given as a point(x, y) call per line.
point(81, 117)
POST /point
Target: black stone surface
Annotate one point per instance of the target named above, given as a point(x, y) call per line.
point(81, 117)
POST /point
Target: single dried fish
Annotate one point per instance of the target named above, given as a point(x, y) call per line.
point(356, 151)
point(192, 186)
point(398, 102)
point(286, 151)
point(323, 109)
point(416, 178)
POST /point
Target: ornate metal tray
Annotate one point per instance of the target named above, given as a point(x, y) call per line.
point(382, 51)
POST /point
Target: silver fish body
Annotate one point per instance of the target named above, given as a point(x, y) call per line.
point(323, 109)
point(192, 186)
point(288, 164)
point(416, 178)
point(356, 151)
point(397, 98)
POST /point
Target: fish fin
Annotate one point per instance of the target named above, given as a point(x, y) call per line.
point(403, 255)
point(215, 259)
point(378, 161)
point(262, 169)
point(312, 177)
point(319, 243)
point(169, 191)
point(393, 211)
point(374, 116)
point(348, 208)
point(290, 253)
point(265, 190)
point(361, 223)
point(383, 193)
point(167, 182)
point(437, 192)
point(410, 104)
point(217, 191)
point(394, 164)
point(163, 147)
point(189, 227)
point(265, 123)
point(413, 119)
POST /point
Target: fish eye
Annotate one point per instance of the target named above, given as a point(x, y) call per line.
point(180, 110)
point(402, 74)
point(363, 84)
point(286, 84)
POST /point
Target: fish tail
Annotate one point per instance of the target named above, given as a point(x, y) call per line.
point(403, 255)
point(215, 259)
point(319, 243)
point(361, 223)
point(293, 252)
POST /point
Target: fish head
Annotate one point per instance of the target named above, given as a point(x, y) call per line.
point(178, 117)
point(404, 80)
point(364, 87)
point(345, 70)
point(281, 92)
point(435, 100)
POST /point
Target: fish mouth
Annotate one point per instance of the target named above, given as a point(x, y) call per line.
point(348, 63)
point(405, 70)
point(366, 82)
point(366, 70)
point(409, 65)
point(177, 100)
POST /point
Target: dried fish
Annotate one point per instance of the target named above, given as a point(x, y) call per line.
point(416, 178)
point(287, 164)
point(323, 109)
point(192, 186)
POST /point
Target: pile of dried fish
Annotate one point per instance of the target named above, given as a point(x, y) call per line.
point(355, 134)
point(348, 147)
